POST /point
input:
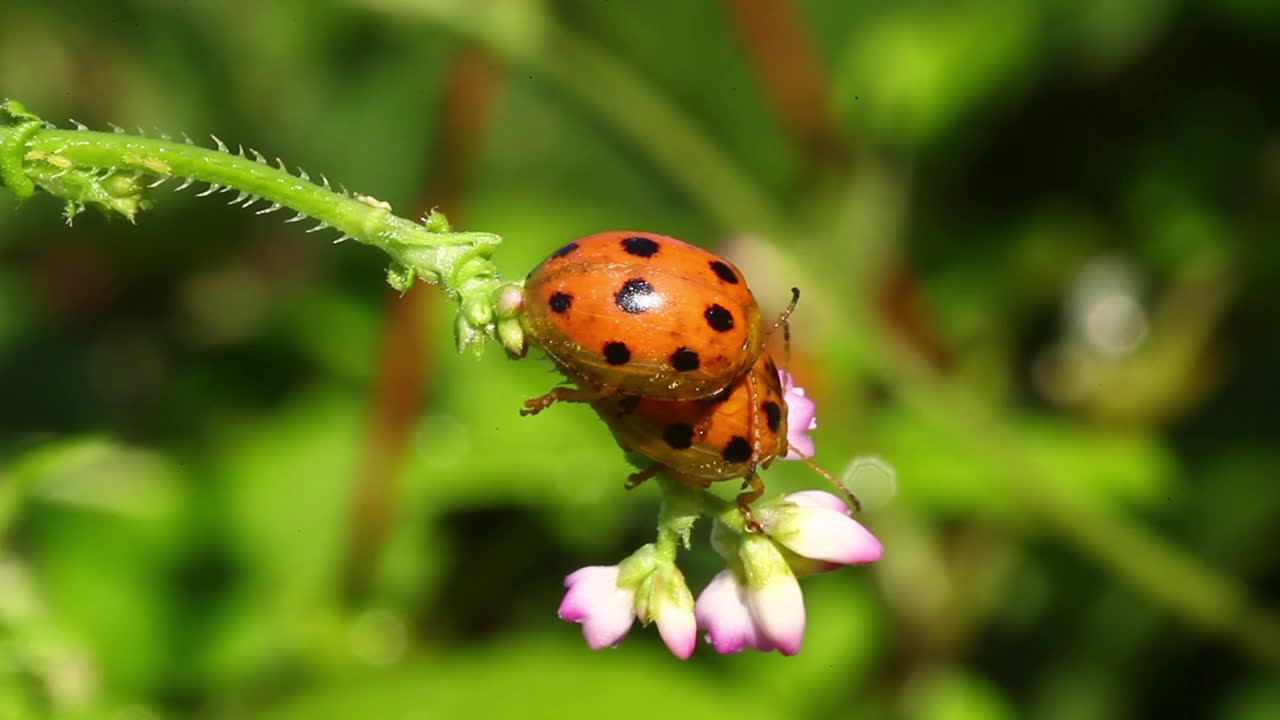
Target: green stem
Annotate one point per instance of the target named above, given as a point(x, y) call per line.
point(681, 508)
point(115, 171)
point(356, 217)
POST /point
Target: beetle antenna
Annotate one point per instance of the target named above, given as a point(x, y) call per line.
point(781, 322)
point(854, 502)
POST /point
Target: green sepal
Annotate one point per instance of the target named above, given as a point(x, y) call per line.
point(638, 566)
point(401, 277)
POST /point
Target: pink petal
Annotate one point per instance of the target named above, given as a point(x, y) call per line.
point(584, 586)
point(722, 610)
point(594, 599)
point(818, 499)
point(678, 628)
point(778, 609)
point(671, 606)
point(801, 418)
point(822, 534)
point(799, 447)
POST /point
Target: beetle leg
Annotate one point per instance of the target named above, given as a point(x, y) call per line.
point(533, 406)
point(747, 497)
point(637, 478)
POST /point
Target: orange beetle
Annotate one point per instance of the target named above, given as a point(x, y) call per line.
point(636, 313)
point(701, 441)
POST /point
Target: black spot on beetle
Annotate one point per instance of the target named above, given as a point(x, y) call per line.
point(771, 370)
point(565, 250)
point(560, 302)
point(720, 319)
point(684, 359)
point(640, 246)
point(616, 353)
point(678, 435)
point(636, 296)
point(724, 272)
point(773, 415)
point(738, 450)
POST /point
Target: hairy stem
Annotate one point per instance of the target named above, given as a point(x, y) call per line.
point(115, 171)
point(681, 508)
point(360, 218)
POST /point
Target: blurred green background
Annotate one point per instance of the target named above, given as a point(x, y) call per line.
point(1036, 242)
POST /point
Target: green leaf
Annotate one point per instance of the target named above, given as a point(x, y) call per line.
point(538, 677)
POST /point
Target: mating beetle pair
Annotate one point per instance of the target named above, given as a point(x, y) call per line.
point(665, 341)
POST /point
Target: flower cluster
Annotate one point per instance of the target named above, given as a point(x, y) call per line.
point(756, 600)
point(607, 600)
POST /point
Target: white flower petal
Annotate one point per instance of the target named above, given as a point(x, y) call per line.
point(671, 605)
point(778, 610)
point(678, 628)
point(773, 594)
point(823, 534)
point(818, 499)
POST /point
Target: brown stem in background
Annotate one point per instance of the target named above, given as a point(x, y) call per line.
point(780, 47)
point(901, 303)
point(400, 386)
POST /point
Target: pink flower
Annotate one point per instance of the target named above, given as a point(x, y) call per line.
point(801, 418)
point(607, 600)
point(817, 525)
point(724, 611)
point(757, 602)
point(760, 606)
point(670, 606)
point(605, 609)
